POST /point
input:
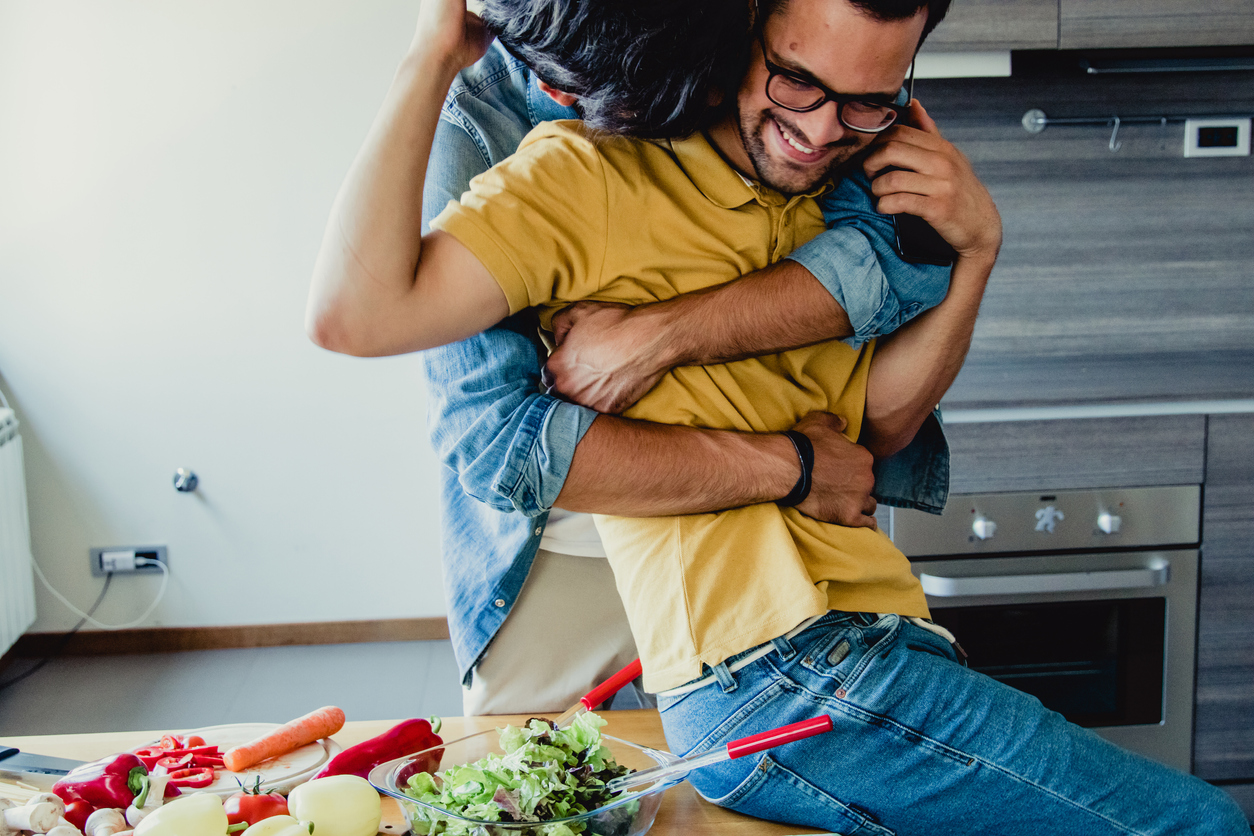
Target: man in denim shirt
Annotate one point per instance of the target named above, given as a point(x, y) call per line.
point(507, 447)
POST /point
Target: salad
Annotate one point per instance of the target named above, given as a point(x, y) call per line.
point(546, 773)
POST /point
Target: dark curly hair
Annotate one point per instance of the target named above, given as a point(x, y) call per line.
point(648, 68)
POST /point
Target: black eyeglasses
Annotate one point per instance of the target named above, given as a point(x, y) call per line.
point(799, 94)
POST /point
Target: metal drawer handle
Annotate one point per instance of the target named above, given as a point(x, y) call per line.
point(943, 587)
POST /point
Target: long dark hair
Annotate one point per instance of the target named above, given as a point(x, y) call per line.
point(648, 68)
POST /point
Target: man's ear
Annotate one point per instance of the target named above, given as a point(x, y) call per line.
point(564, 99)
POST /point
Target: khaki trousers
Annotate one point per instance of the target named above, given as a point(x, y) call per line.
point(566, 633)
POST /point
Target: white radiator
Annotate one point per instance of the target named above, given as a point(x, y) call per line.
point(17, 584)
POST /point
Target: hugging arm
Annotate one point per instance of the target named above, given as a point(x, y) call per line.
point(379, 286)
point(847, 283)
point(914, 367)
point(610, 356)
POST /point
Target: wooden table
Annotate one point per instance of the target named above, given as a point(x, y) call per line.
point(683, 811)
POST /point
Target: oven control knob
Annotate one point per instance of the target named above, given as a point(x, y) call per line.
point(983, 528)
point(1109, 523)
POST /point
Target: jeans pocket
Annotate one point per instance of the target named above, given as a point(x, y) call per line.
point(774, 792)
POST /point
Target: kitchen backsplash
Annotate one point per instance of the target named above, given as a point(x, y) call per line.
point(1124, 275)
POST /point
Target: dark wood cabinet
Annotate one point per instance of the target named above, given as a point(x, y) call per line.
point(1087, 24)
point(1224, 739)
point(975, 25)
point(1077, 453)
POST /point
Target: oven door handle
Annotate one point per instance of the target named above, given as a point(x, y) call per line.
point(940, 586)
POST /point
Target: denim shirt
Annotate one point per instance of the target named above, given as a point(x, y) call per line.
point(504, 444)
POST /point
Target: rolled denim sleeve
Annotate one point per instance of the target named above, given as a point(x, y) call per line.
point(856, 261)
point(510, 444)
point(917, 476)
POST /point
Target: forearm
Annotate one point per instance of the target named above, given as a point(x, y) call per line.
point(367, 286)
point(775, 309)
point(914, 367)
point(639, 469)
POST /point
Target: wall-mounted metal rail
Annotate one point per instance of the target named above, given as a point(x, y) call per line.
point(1035, 121)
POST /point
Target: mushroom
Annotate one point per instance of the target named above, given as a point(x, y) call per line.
point(154, 800)
point(106, 822)
point(39, 817)
point(65, 829)
point(51, 798)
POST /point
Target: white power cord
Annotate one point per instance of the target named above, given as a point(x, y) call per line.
point(139, 561)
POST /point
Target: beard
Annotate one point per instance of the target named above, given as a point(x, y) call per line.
point(784, 175)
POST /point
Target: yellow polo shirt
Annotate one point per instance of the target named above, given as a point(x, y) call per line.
point(575, 216)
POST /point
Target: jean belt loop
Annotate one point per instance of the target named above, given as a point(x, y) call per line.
point(784, 648)
point(724, 676)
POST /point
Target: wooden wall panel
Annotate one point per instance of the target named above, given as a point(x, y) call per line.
point(1148, 23)
point(1088, 453)
point(996, 25)
point(1224, 744)
point(1123, 276)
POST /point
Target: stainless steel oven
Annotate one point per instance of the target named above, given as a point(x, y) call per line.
point(1085, 599)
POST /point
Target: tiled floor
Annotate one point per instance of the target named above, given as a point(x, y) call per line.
point(376, 681)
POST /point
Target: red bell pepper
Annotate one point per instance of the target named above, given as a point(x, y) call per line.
point(405, 738)
point(77, 812)
point(109, 782)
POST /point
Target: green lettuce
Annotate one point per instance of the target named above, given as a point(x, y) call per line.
point(545, 773)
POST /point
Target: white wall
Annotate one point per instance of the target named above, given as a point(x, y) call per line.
point(166, 168)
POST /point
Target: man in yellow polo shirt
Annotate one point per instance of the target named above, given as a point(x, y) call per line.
point(758, 616)
point(564, 219)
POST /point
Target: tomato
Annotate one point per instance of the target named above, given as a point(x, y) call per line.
point(252, 805)
point(194, 740)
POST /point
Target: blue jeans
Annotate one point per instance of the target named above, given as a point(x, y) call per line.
point(922, 745)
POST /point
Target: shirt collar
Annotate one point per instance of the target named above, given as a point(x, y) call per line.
point(710, 173)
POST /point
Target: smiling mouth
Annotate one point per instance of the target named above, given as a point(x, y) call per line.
point(793, 142)
point(795, 151)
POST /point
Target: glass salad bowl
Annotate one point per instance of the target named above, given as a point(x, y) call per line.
point(629, 814)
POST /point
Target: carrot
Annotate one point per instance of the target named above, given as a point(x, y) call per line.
point(303, 730)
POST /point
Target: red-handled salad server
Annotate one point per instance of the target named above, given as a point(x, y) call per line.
point(599, 694)
point(735, 749)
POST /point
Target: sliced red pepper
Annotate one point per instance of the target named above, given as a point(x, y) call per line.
point(174, 763)
point(153, 755)
point(192, 778)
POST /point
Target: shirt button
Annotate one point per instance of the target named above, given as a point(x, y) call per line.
point(500, 602)
point(539, 531)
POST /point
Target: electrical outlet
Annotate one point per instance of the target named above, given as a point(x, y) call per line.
point(120, 560)
point(1220, 137)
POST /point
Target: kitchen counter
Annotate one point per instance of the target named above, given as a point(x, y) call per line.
point(682, 812)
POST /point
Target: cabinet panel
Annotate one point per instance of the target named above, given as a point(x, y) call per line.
point(1145, 23)
point(996, 24)
point(1224, 744)
point(1087, 453)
